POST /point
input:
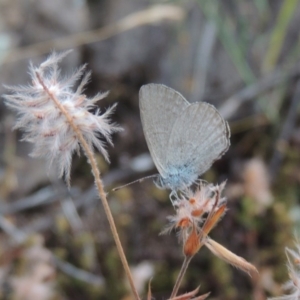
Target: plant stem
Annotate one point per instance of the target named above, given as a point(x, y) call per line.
point(181, 274)
point(91, 159)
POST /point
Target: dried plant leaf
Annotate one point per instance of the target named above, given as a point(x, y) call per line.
point(229, 257)
point(209, 224)
point(187, 296)
point(191, 295)
point(192, 245)
point(202, 297)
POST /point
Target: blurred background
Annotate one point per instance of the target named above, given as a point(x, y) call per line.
point(240, 55)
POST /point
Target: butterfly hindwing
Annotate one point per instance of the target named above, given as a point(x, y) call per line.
point(199, 137)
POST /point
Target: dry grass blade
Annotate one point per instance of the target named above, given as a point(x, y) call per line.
point(154, 14)
point(285, 134)
point(213, 11)
point(202, 297)
point(279, 33)
point(204, 55)
point(230, 257)
point(149, 294)
point(190, 296)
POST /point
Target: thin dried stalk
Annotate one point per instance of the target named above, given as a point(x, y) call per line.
point(99, 185)
point(182, 272)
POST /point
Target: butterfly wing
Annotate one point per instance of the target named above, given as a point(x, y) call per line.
point(199, 137)
point(160, 107)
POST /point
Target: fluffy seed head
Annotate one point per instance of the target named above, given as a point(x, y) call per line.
point(197, 213)
point(46, 126)
point(293, 265)
point(193, 208)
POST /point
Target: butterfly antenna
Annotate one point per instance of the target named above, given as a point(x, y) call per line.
point(138, 180)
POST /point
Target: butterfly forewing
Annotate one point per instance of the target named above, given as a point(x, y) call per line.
point(198, 137)
point(160, 107)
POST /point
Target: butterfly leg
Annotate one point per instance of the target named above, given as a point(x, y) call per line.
point(173, 197)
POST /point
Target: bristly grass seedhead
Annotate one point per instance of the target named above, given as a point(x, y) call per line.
point(293, 265)
point(56, 118)
point(42, 108)
point(197, 213)
point(194, 209)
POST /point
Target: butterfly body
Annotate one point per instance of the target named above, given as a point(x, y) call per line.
point(184, 139)
point(178, 177)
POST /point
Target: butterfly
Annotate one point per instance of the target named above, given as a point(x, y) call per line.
point(184, 138)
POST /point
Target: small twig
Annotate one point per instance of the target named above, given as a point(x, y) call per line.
point(185, 264)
